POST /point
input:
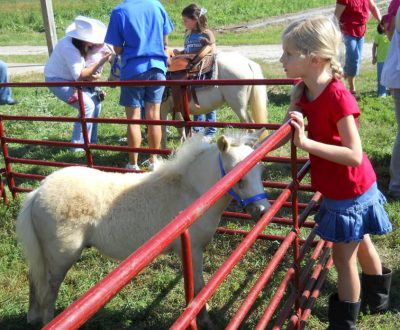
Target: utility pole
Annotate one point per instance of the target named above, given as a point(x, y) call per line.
point(49, 24)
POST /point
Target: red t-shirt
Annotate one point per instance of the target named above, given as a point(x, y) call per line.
point(354, 18)
point(334, 180)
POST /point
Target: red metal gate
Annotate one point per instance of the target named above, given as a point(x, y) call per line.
point(307, 281)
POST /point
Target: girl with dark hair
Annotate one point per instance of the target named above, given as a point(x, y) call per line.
point(199, 37)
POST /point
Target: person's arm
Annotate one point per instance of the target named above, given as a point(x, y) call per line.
point(339, 9)
point(390, 28)
point(374, 48)
point(165, 41)
point(373, 8)
point(89, 73)
point(118, 50)
point(348, 154)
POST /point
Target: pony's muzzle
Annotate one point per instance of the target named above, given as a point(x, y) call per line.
point(257, 209)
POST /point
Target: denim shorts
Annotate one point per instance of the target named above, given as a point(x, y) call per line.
point(134, 96)
point(354, 47)
point(349, 220)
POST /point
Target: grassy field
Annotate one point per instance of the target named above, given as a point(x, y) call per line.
point(21, 21)
point(155, 298)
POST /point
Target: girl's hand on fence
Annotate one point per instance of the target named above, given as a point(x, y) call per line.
point(297, 121)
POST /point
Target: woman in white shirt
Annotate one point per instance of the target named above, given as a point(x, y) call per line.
point(67, 63)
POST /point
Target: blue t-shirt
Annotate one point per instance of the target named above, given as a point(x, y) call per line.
point(139, 26)
point(195, 41)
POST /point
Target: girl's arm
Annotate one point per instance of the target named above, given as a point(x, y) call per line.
point(349, 153)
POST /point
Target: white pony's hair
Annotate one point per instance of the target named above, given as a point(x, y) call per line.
point(195, 145)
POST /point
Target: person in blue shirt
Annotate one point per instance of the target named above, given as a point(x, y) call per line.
point(138, 31)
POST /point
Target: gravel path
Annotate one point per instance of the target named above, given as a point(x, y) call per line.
point(266, 53)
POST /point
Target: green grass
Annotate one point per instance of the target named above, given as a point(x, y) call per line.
point(21, 21)
point(155, 299)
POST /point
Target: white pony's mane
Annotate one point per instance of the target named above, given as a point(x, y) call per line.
point(192, 147)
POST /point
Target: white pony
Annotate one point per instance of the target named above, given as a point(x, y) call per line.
point(230, 65)
point(77, 207)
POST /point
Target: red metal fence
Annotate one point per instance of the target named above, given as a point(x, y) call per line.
point(306, 280)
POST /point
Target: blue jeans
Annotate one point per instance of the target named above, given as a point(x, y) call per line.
point(354, 47)
point(394, 184)
point(5, 92)
point(209, 117)
point(92, 109)
point(380, 88)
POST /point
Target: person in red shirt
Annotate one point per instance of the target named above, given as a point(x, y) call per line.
point(353, 17)
point(352, 205)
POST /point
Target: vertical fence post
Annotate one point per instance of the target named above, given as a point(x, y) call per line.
point(2, 190)
point(8, 170)
point(296, 228)
point(188, 271)
point(82, 117)
point(186, 112)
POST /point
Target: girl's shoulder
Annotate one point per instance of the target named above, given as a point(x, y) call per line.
point(341, 100)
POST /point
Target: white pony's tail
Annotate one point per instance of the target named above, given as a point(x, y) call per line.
point(26, 235)
point(258, 97)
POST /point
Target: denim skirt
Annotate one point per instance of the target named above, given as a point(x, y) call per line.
point(349, 220)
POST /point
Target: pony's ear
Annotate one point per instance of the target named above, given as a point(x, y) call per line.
point(223, 144)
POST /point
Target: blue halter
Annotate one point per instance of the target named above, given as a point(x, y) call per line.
point(242, 202)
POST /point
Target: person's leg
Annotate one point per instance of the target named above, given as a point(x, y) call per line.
point(345, 261)
point(96, 114)
point(198, 129)
point(344, 306)
point(351, 60)
point(368, 257)
point(134, 133)
point(5, 92)
point(131, 98)
point(89, 107)
point(380, 89)
point(152, 111)
point(394, 184)
point(90, 103)
point(375, 279)
point(153, 98)
point(211, 117)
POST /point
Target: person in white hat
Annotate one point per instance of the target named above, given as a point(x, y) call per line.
point(68, 63)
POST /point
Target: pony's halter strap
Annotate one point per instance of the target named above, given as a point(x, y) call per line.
point(242, 202)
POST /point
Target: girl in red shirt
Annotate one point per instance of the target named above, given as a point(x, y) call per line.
point(352, 207)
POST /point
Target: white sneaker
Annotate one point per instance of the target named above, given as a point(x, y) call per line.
point(151, 166)
point(133, 167)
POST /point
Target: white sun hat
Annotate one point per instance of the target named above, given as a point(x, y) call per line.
point(87, 29)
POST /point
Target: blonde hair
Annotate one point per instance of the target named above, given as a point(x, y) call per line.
point(317, 36)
